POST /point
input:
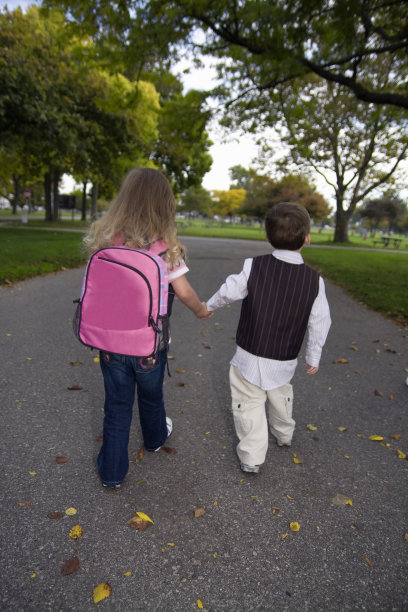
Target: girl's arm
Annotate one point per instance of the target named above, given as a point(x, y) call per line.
point(188, 296)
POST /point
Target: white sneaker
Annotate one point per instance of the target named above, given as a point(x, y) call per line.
point(252, 469)
point(169, 424)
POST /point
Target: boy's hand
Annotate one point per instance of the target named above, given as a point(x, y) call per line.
point(311, 369)
point(204, 313)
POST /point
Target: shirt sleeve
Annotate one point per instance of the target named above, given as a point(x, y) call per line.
point(177, 271)
point(235, 288)
point(318, 326)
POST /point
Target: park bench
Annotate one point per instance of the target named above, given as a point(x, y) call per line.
point(389, 241)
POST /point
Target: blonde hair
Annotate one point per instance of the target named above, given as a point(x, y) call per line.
point(142, 212)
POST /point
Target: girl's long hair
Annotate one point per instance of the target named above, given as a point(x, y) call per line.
point(142, 212)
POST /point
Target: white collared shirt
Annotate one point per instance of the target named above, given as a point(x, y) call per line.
point(261, 371)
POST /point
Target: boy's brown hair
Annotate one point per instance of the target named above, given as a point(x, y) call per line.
point(287, 224)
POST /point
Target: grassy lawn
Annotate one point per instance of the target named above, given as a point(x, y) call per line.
point(26, 253)
point(378, 279)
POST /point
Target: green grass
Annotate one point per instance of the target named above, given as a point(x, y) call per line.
point(26, 253)
point(379, 280)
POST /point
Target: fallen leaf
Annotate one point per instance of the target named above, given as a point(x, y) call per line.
point(75, 532)
point(70, 511)
point(141, 453)
point(75, 363)
point(144, 517)
point(33, 575)
point(294, 526)
point(199, 512)
point(401, 455)
point(353, 347)
point(391, 397)
point(388, 350)
point(376, 438)
point(289, 497)
point(342, 360)
point(102, 591)
point(296, 460)
point(75, 388)
point(342, 428)
point(406, 537)
point(311, 427)
point(362, 436)
point(341, 500)
point(199, 604)
point(96, 359)
point(378, 393)
point(55, 515)
point(138, 523)
point(170, 543)
point(396, 437)
point(33, 473)
point(180, 370)
point(285, 535)
point(61, 459)
point(274, 509)
point(127, 574)
point(169, 450)
point(70, 566)
point(181, 384)
point(370, 563)
point(171, 357)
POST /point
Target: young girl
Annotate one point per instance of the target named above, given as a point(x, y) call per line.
point(141, 217)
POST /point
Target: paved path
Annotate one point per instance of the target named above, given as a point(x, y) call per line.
point(241, 555)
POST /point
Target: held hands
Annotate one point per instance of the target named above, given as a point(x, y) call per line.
point(311, 369)
point(204, 313)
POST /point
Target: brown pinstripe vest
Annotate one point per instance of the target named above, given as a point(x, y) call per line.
point(275, 313)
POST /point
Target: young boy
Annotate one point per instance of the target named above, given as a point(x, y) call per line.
point(283, 298)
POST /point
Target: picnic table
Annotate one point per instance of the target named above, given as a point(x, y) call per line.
point(389, 240)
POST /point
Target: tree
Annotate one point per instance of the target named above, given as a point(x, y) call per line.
point(383, 210)
point(196, 200)
point(228, 203)
point(261, 45)
point(355, 147)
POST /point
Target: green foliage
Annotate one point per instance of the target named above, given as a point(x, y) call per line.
point(228, 203)
point(197, 200)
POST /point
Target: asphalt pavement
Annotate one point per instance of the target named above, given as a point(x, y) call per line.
point(220, 539)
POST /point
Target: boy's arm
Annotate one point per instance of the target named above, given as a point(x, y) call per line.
point(318, 328)
point(235, 288)
point(188, 296)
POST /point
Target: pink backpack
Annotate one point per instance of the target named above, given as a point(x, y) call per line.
point(123, 303)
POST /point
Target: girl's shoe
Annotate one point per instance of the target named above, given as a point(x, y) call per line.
point(169, 424)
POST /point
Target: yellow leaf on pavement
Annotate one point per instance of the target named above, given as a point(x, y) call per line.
point(75, 532)
point(349, 502)
point(71, 511)
point(285, 535)
point(311, 427)
point(144, 517)
point(376, 438)
point(127, 573)
point(294, 526)
point(200, 604)
point(102, 591)
point(401, 455)
point(96, 360)
point(296, 460)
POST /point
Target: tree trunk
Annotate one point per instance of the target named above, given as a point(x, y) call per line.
point(55, 196)
point(95, 188)
point(16, 198)
point(83, 217)
point(47, 194)
point(341, 229)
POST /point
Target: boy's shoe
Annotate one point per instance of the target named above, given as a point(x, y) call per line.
point(251, 469)
point(169, 424)
point(109, 486)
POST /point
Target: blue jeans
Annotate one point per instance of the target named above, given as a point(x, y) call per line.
point(121, 376)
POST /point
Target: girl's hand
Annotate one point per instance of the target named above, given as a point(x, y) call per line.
point(204, 313)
